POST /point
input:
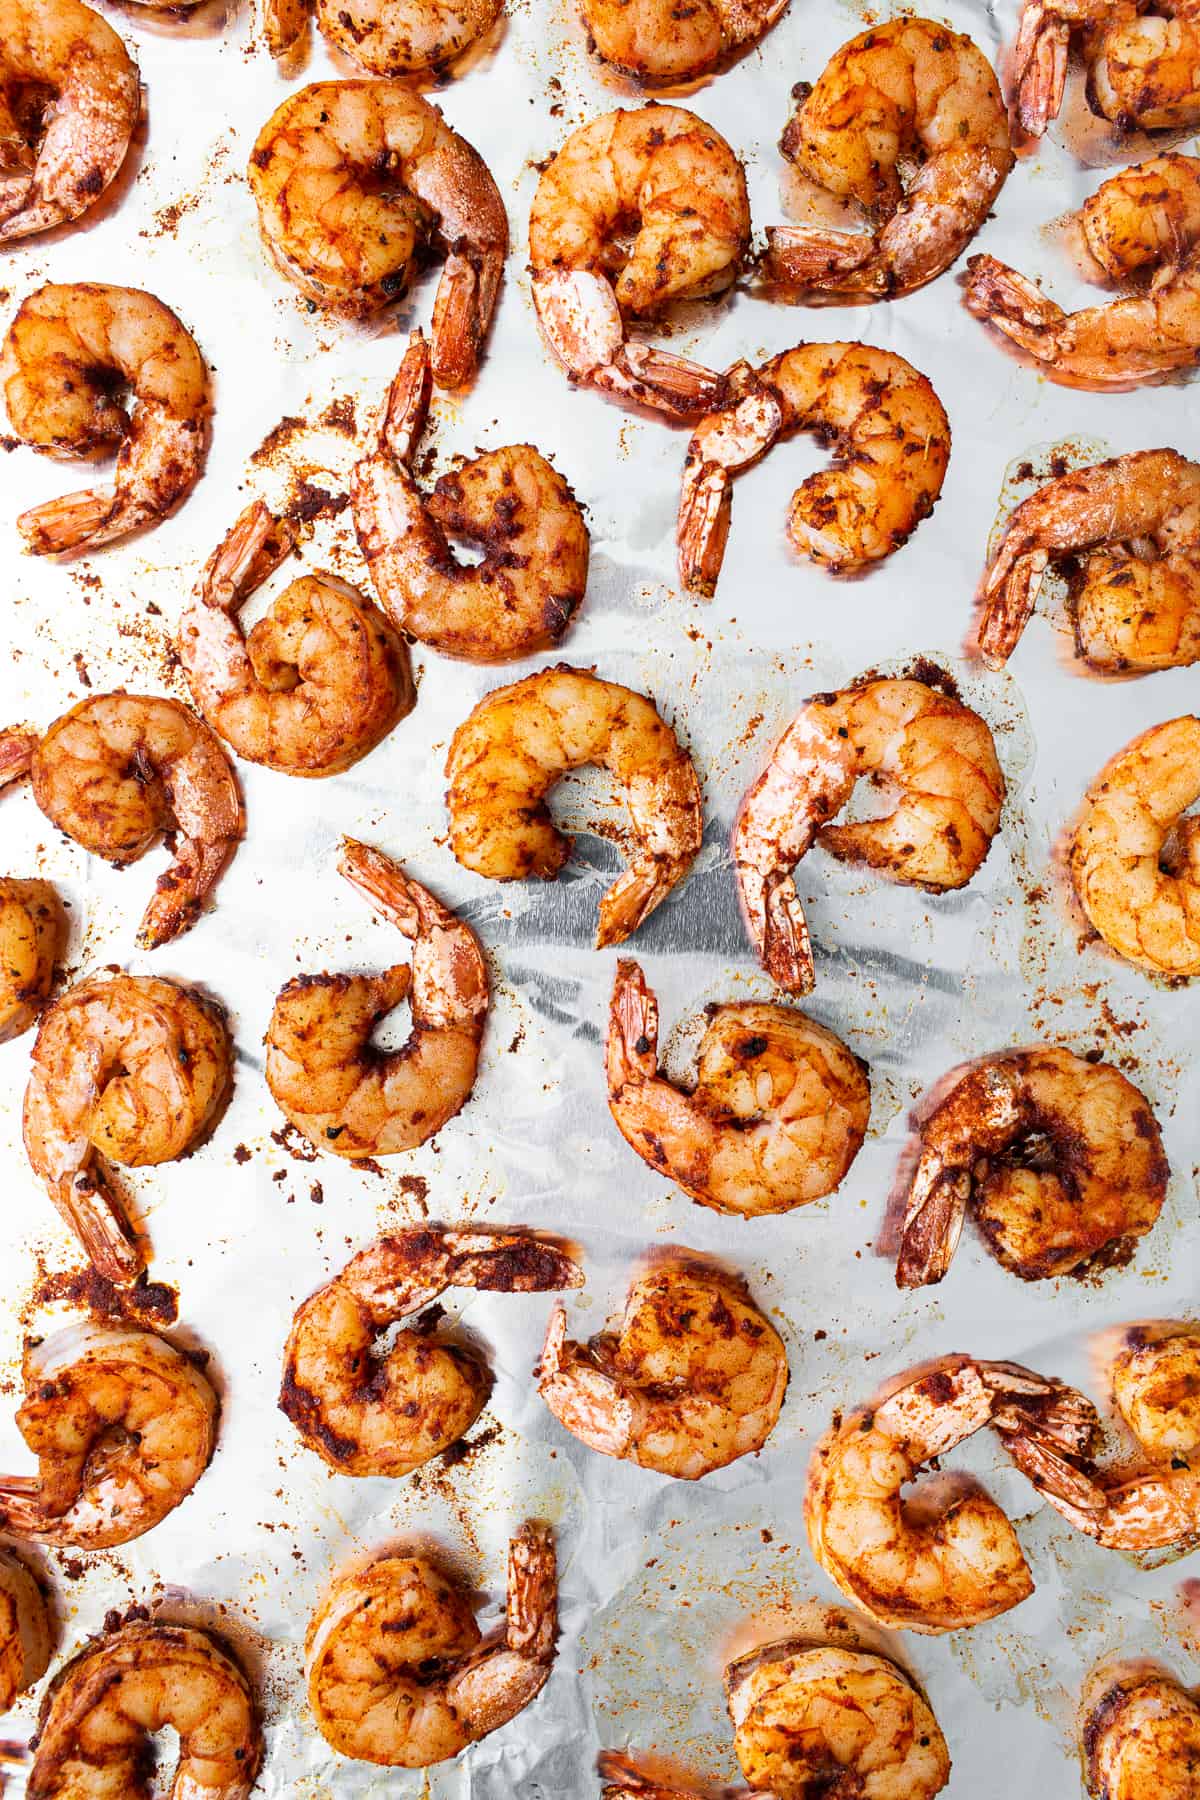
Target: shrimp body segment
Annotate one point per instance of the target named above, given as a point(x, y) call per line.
point(370, 1416)
point(385, 37)
point(1141, 58)
point(1135, 857)
point(398, 1672)
point(69, 353)
point(353, 180)
point(55, 175)
point(1141, 1735)
point(655, 41)
point(777, 1115)
point(33, 931)
point(938, 755)
point(1133, 524)
point(668, 179)
point(507, 755)
point(123, 1426)
point(109, 1700)
point(1059, 1160)
point(316, 684)
point(525, 591)
point(885, 425)
point(24, 1630)
point(126, 1069)
point(694, 1378)
point(322, 1069)
point(908, 90)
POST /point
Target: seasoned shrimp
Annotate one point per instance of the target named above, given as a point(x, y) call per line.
point(369, 1414)
point(120, 771)
point(1141, 58)
point(506, 756)
point(657, 41)
point(1133, 523)
point(126, 1069)
point(24, 1630)
point(1141, 1736)
point(664, 178)
point(384, 37)
point(1144, 219)
point(524, 592)
point(885, 425)
point(909, 91)
point(70, 353)
point(33, 931)
point(322, 1068)
point(106, 1703)
point(935, 751)
point(123, 1426)
point(1059, 1159)
point(938, 1561)
point(353, 180)
point(56, 163)
point(694, 1378)
point(777, 1114)
point(398, 1672)
point(318, 681)
point(1135, 857)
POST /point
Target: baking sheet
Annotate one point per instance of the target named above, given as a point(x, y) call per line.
point(657, 1578)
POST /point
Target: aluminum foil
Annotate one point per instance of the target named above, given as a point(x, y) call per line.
point(658, 1579)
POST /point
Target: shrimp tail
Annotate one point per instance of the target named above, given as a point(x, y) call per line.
point(621, 1775)
point(933, 1222)
point(182, 890)
point(586, 1400)
point(22, 1511)
point(256, 544)
point(813, 258)
point(634, 1012)
point(1009, 593)
point(633, 896)
point(669, 384)
point(462, 312)
point(96, 1216)
point(17, 747)
point(1016, 306)
point(531, 1621)
point(702, 530)
point(1040, 69)
point(1069, 1489)
point(72, 522)
point(284, 24)
point(726, 441)
point(776, 923)
point(407, 407)
point(515, 1263)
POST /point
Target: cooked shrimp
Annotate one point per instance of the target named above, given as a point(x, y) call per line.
point(935, 751)
point(56, 171)
point(1141, 1736)
point(125, 1069)
point(123, 1426)
point(507, 755)
point(70, 353)
point(384, 37)
point(1156, 1385)
point(524, 592)
point(909, 91)
point(656, 41)
point(369, 1414)
point(322, 1068)
point(398, 1671)
point(108, 1701)
point(1141, 58)
point(120, 771)
point(777, 1114)
point(24, 1630)
point(694, 1378)
point(1135, 858)
point(318, 681)
point(353, 181)
point(885, 425)
point(938, 1561)
point(1134, 521)
point(1145, 218)
point(819, 1719)
point(664, 177)
point(33, 931)
point(1059, 1159)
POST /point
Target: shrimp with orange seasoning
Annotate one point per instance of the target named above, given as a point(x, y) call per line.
point(384, 37)
point(1141, 58)
point(1139, 1735)
point(33, 931)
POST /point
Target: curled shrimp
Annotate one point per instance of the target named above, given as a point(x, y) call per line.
point(668, 176)
point(1133, 525)
point(108, 1701)
point(70, 352)
point(524, 592)
point(1140, 1735)
point(885, 425)
point(656, 41)
point(1135, 858)
point(353, 180)
point(938, 755)
point(906, 91)
point(56, 172)
point(33, 931)
point(945, 1558)
point(694, 1378)
point(1140, 55)
point(384, 37)
point(24, 1630)
point(777, 1115)
point(129, 1070)
point(120, 771)
point(322, 1069)
point(369, 1414)
point(507, 755)
point(1060, 1161)
point(398, 1671)
point(123, 1426)
point(316, 684)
